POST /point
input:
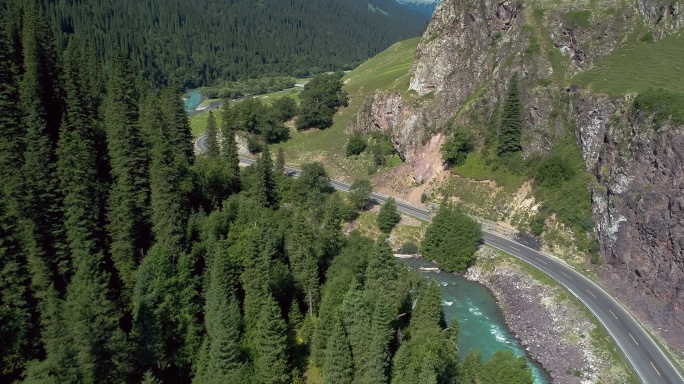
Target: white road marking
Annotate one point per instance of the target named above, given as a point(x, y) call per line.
point(568, 276)
point(512, 247)
point(611, 312)
point(656, 369)
point(635, 342)
point(540, 260)
point(591, 293)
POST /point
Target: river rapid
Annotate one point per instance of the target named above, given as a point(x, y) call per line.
point(481, 322)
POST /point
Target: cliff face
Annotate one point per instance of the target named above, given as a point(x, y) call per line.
point(638, 205)
point(463, 65)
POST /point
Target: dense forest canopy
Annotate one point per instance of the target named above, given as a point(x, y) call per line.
point(126, 258)
point(196, 43)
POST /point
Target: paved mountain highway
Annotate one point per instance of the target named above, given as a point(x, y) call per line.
point(647, 359)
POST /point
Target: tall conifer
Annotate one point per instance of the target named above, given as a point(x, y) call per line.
point(270, 362)
point(212, 136)
point(128, 206)
point(511, 121)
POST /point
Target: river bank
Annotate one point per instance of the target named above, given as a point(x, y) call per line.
point(552, 326)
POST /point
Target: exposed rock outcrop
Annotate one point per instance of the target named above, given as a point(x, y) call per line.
point(638, 204)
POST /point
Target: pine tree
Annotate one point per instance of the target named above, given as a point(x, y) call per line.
point(338, 367)
point(212, 137)
point(270, 362)
point(511, 121)
point(128, 206)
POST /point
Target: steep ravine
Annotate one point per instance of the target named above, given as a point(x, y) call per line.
point(463, 65)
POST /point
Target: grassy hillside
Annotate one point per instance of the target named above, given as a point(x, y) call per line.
point(387, 71)
point(637, 65)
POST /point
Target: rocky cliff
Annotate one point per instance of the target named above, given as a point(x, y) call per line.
point(463, 65)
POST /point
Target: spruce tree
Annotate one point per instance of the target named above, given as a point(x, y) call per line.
point(128, 205)
point(264, 186)
point(212, 137)
point(338, 367)
point(510, 130)
point(303, 259)
point(101, 349)
point(223, 321)
point(77, 162)
point(19, 327)
point(170, 185)
point(176, 124)
point(42, 113)
point(270, 362)
point(230, 149)
point(356, 316)
point(280, 162)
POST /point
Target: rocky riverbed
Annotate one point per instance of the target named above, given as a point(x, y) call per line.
point(553, 327)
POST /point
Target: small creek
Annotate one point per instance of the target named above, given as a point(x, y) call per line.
point(481, 322)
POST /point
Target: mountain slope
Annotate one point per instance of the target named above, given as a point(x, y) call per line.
point(198, 42)
point(599, 167)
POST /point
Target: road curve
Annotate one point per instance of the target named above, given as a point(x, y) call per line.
point(649, 362)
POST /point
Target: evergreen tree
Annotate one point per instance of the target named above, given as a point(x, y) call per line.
point(230, 150)
point(77, 162)
point(338, 367)
point(270, 362)
point(506, 368)
point(170, 183)
point(128, 207)
point(264, 187)
point(212, 137)
point(101, 351)
point(42, 113)
point(303, 259)
point(388, 217)
point(176, 125)
point(18, 330)
point(511, 121)
point(223, 322)
point(356, 316)
point(428, 307)
point(280, 162)
point(470, 367)
point(359, 193)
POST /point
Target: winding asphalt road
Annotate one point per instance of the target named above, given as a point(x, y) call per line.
point(649, 362)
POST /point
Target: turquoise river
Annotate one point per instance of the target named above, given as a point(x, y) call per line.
point(482, 323)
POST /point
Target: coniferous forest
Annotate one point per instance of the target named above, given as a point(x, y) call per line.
point(196, 43)
point(126, 258)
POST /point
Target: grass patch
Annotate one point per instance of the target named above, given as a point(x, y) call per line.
point(198, 122)
point(478, 168)
point(637, 66)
